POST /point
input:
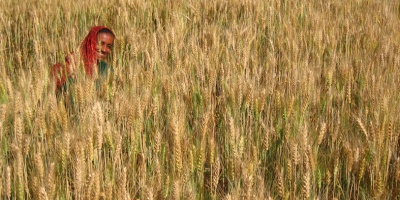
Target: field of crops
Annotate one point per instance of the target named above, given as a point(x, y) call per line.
point(209, 99)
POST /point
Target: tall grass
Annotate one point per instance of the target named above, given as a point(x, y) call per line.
point(208, 100)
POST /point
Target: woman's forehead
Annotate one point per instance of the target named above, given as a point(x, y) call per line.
point(106, 37)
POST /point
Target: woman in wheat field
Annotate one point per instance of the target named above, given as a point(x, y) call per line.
point(94, 49)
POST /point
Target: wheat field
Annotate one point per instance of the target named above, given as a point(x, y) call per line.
point(209, 99)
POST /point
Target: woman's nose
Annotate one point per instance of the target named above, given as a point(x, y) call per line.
point(105, 49)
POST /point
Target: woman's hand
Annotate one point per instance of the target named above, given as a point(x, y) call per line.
point(71, 65)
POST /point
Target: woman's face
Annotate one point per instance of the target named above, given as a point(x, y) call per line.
point(104, 46)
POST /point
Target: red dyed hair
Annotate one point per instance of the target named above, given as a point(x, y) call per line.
point(88, 54)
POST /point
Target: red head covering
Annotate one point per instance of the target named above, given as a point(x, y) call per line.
point(88, 53)
point(88, 48)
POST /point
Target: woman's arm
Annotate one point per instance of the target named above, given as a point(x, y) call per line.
point(61, 73)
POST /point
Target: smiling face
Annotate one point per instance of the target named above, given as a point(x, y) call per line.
point(104, 46)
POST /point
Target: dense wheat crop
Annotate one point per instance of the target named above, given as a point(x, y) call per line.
point(215, 99)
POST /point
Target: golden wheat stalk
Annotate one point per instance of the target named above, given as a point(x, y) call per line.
point(8, 185)
point(79, 170)
point(361, 125)
point(51, 183)
point(215, 176)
